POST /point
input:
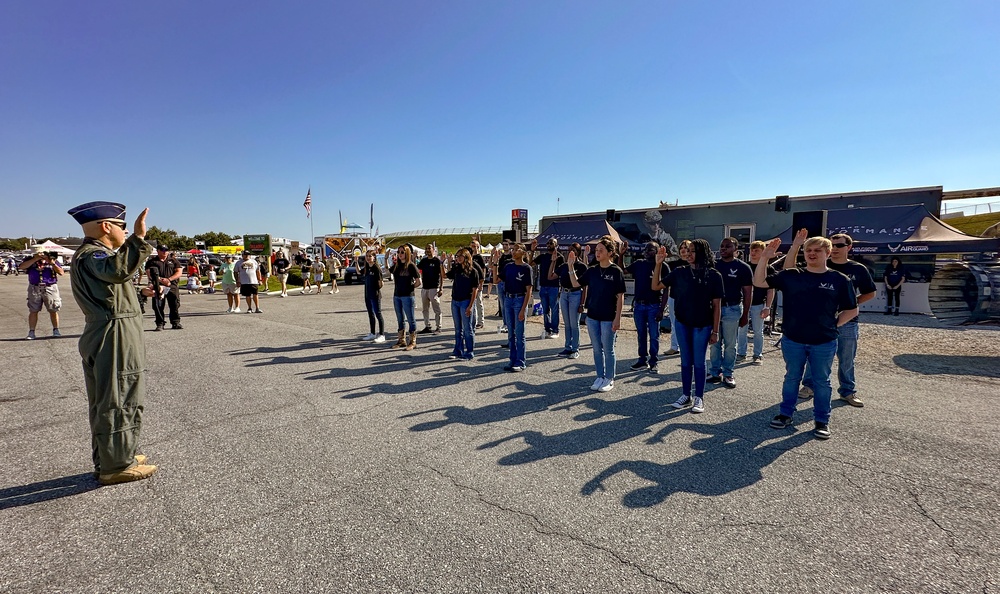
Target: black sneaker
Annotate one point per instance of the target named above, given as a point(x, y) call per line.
point(653, 369)
point(177, 327)
point(426, 330)
point(781, 421)
point(714, 379)
point(639, 365)
point(505, 346)
point(564, 353)
point(821, 431)
point(741, 357)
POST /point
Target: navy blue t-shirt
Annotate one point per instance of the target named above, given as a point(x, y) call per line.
point(894, 275)
point(811, 302)
point(860, 277)
point(735, 276)
point(603, 287)
point(642, 272)
point(516, 278)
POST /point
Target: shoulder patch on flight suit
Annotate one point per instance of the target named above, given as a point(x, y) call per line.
point(100, 255)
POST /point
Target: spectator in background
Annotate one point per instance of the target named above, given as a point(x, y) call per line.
point(306, 271)
point(43, 275)
point(228, 270)
point(212, 277)
point(264, 264)
point(167, 270)
point(333, 266)
point(894, 277)
point(432, 287)
point(248, 279)
point(317, 268)
point(281, 265)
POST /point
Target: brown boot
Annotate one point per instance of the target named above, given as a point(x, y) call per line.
point(136, 473)
point(412, 344)
point(401, 341)
point(139, 459)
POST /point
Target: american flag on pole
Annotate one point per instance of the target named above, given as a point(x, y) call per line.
point(308, 203)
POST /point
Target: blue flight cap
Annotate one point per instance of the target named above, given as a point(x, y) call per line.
point(98, 211)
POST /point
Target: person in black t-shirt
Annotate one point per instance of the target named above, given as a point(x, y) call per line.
point(737, 279)
point(281, 265)
point(847, 334)
point(760, 310)
point(816, 302)
point(371, 273)
point(571, 300)
point(406, 279)
point(894, 277)
point(505, 258)
point(605, 284)
point(478, 260)
point(432, 287)
point(516, 278)
point(647, 306)
point(697, 291)
point(548, 289)
point(467, 278)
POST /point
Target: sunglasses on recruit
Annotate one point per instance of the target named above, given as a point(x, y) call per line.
point(841, 245)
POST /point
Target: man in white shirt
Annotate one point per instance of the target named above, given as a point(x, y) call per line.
point(247, 279)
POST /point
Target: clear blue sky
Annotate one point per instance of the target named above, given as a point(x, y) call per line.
point(219, 114)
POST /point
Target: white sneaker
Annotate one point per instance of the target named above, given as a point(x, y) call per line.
point(554, 335)
point(369, 336)
point(283, 295)
point(236, 310)
point(379, 338)
point(805, 393)
point(607, 386)
point(597, 384)
point(683, 402)
point(337, 291)
point(699, 405)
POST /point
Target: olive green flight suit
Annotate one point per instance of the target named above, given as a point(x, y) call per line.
point(112, 347)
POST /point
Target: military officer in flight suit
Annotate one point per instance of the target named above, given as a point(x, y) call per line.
point(112, 346)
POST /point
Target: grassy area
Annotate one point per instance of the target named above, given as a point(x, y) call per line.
point(448, 243)
point(975, 224)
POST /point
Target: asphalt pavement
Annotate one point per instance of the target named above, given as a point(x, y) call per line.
point(294, 457)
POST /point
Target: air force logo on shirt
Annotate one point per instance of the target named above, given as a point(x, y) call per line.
point(732, 273)
point(827, 286)
point(520, 276)
point(609, 277)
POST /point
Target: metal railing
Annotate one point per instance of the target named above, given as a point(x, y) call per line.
point(532, 230)
point(969, 209)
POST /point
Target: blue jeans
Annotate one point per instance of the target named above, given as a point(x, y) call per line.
point(648, 329)
point(550, 308)
point(819, 358)
point(464, 334)
point(758, 333)
point(404, 307)
point(693, 342)
point(502, 296)
point(673, 325)
point(374, 307)
point(847, 348)
point(723, 361)
point(515, 329)
point(569, 301)
point(602, 338)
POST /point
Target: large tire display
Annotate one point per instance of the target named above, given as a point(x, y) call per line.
point(966, 293)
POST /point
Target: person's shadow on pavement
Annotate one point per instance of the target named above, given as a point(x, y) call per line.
point(47, 490)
